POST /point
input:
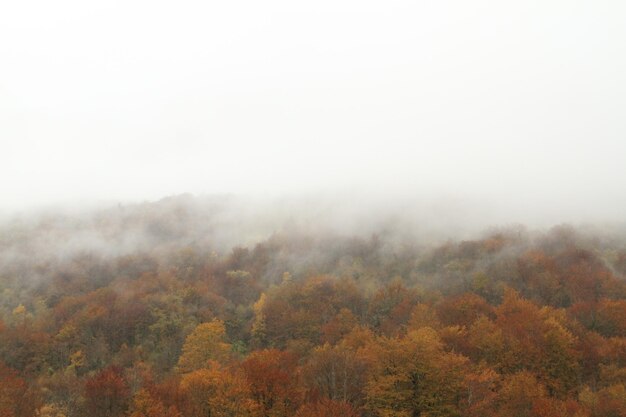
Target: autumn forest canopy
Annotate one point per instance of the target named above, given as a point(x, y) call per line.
point(212, 308)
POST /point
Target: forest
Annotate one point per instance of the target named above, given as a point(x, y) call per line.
point(166, 309)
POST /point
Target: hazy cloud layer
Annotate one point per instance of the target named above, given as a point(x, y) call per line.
point(514, 109)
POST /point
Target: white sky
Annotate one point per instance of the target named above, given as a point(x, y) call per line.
point(516, 101)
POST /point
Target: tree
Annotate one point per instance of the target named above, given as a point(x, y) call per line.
point(216, 392)
point(607, 402)
point(611, 317)
point(414, 376)
point(297, 310)
point(336, 373)
point(480, 397)
point(16, 399)
point(463, 310)
point(327, 408)
point(520, 394)
point(204, 343)
point(391, 307)
point(339, 326)
point(51, 410)
point(107, 393)
point(146, 405)
point(537, 339)
point(272, 378)
point(259, 336)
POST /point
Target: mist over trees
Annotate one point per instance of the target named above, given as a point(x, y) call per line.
point(212, 307)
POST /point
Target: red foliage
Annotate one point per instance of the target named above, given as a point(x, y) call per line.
point(272, 377)
point(16, 400)
point(107, 393)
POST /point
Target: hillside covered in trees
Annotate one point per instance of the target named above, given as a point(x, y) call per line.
point(169, 309)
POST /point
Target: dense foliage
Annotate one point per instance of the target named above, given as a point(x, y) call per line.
point(510, 324)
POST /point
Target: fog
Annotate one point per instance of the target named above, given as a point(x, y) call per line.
point(451, 115)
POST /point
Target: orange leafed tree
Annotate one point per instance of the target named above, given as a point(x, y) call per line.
point(273, 380)
point(146, 405)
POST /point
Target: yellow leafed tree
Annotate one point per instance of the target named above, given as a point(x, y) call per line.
point(206, 342)
point(216, 392)
point(414, 376)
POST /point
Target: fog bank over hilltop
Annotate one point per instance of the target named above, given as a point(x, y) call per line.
point(221, 222)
